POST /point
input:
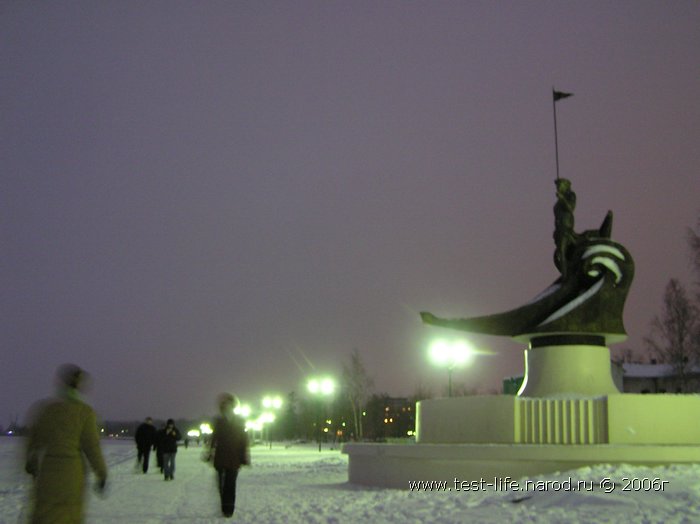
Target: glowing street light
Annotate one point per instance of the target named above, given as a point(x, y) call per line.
point(451, 355)
point(266, 417)
point(253, 425)
point(270, 402)
point(324, 386)
point(242, 410)
point(321, 388)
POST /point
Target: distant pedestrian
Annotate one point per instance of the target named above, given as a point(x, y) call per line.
point(229, 451)
point(63, 433)
point(145, 438)
point(169, 445)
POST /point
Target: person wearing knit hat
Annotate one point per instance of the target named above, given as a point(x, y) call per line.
point(63, 431)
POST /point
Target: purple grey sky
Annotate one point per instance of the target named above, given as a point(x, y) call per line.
point(208, 196)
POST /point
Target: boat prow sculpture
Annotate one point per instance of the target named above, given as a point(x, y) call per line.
point(587, 300)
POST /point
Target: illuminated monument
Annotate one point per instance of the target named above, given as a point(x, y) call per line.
point(568, 412)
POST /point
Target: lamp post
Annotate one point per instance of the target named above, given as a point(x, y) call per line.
point(205, 430)
point(270, 402)
point(450, 355)
point(321, 388)
point(265, 419)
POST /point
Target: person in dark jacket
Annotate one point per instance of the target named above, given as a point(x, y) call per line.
point(169, 446)
point(145, 438)
point(229, 449)
point(158, 446)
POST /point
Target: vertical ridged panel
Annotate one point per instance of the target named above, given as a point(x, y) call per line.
point(562, 421)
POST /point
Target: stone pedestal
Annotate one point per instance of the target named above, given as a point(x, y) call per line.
point(567, 370)
point(568, 414)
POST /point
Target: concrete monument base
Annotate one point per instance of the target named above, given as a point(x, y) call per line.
point(567, 420)
point(394, 465)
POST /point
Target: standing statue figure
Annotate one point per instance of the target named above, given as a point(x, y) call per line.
point(564, 235)
point(566, 239)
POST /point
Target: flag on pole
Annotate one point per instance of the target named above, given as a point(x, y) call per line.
point(558, 95)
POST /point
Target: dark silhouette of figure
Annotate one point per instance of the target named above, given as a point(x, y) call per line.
point(565, 238)
point(63, 434)
point(145, 438)
point(170, 437)
point(229, 450)
point(158, 446)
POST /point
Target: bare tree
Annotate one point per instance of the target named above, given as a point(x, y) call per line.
point(694, 245)
point(357, 384)
point(671, 336)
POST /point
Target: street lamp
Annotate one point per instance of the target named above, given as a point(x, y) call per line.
point(450, 355)
point(242, 410)
point(321, 388)
point(324, 386)
point(270, 402)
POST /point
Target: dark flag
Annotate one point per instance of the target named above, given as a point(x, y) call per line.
point(558, 95)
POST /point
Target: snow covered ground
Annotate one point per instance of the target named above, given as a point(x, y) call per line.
point(301, 485)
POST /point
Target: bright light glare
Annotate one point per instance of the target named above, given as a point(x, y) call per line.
point(266, 418)
point(321, 386)
point(194, 433)
point(205, 429)
point(451, 354)
point(254, 425)
point(272, 402)
point(243, 410)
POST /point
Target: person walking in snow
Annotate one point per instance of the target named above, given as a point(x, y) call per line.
point(169, 446)
point(63, 434)
point(229, 451)
point(158, 446)
point(145, 438)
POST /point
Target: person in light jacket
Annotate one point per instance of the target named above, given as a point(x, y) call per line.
point(63, 441)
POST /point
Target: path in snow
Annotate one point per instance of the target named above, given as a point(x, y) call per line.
point(300, 485)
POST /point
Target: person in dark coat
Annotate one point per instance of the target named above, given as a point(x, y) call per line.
point(229, 450)
point(63, 439)
point(145, 438)
point(158, 446)
point(169, 446)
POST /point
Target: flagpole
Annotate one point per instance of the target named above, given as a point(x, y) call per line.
point(556, 141)
point(557, 95)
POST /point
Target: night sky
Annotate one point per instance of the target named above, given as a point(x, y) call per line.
point(209, 196)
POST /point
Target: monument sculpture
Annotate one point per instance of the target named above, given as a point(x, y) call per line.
point(585, 303)
point(568, 412)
